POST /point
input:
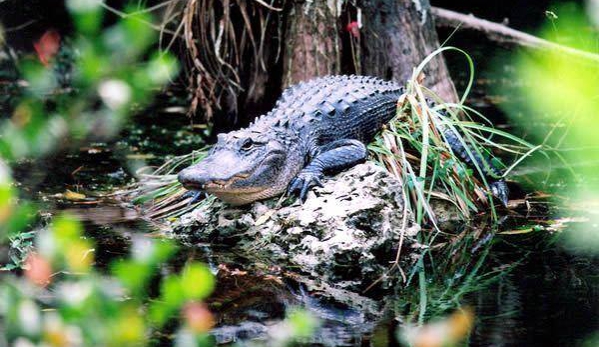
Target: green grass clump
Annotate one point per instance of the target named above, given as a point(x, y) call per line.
point(412, 148)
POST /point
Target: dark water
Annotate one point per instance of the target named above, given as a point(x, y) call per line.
point(529, 289)
point(544, 292)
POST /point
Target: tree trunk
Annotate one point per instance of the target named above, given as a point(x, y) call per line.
point(396, 36)
point(243, 53)
point(312, 43)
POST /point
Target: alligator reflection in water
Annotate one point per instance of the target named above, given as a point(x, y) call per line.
point(525, 290)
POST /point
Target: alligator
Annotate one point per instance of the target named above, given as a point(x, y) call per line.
point(317, 127)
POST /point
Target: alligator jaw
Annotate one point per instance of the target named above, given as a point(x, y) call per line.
point(214, 185)
point(237, 198)
point(225, 185)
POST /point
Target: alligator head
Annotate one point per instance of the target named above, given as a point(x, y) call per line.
point(244, 166)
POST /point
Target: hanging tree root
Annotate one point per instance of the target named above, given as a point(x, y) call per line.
point(504, 34)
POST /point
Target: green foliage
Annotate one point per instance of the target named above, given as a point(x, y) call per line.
point(15, 217)
point(563, 90)
point(61, 299)
point(193, 284)
point(87, 15)
point(135, 273)
point(591, 341)
point(108, 78)
point(414, 149)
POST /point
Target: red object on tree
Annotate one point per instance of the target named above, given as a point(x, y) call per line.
point(353, 28)
point(47, 46)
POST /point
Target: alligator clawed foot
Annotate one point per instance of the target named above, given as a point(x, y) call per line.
point(302, 184)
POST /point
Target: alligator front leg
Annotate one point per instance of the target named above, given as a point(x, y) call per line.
point(331, 158)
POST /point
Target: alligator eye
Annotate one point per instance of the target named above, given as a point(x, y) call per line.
point(247, 145)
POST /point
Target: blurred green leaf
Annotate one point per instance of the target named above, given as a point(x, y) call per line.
point(162, 68)
point(87, 15)
point(85, 92)
point(171, 298)
point(147, 255)
point(129, 328)
point(133, 275)
point(162, 250)
point(40, 78)
point(20, 218)
point(197, 281)
point(302, 323)
point(91, 64)
point(137, 29)
point(563, 91)
point(66, 228)
point(130, 38)
point(172, 291)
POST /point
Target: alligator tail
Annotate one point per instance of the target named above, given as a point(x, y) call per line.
point(473, 158)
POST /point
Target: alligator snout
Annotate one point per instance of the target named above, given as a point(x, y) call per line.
point(199, 177)
point(193, 178)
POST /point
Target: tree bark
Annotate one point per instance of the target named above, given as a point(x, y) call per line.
point(312, 44)
point(396, 36)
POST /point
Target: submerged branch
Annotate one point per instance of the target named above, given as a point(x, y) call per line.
point(501, 33)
